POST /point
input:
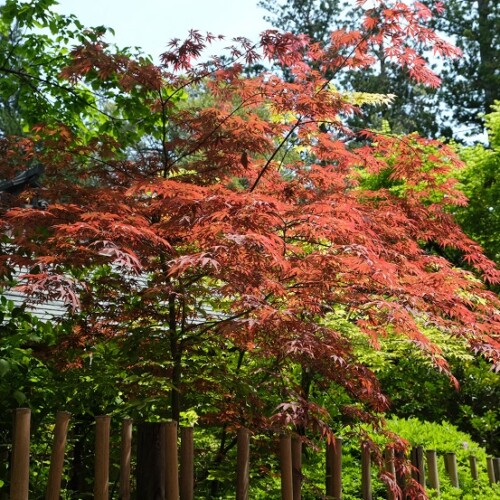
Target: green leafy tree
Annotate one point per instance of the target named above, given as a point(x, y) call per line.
point(10, 119)
point(20, 370)
point(444, 437)
point(481, 183)
point(36, 46)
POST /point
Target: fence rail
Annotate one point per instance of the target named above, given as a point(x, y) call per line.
point(160, 475)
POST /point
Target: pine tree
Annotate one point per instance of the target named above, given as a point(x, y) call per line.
point(470, 83)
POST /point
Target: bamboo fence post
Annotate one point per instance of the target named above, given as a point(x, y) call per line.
point(473, 467)
point(187, 464)
point(451, 468)
point(433, 470)
point(496, 468)
point(297, 467)
point(417, 460)
point(334, 469)
point(171, 462)
point(20, 472)
point(57, 456)
point(286, 467)
point(101, 484)
point(491, 469)
point(366, 480)
point(401, 479)
point(125, 457)
point(243, 464)
point(389, 467)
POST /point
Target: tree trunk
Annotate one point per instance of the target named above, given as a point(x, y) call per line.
point(487, 53)
point(151, 467)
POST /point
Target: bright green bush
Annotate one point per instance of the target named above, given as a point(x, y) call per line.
point(442, 437)
point(445, 438)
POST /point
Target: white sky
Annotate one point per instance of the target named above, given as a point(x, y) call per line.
point(151, 24)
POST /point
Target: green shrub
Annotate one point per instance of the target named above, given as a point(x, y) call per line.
point(446, 438)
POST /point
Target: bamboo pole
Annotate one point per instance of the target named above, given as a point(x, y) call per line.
point(187, 464)
point(334, 469)
point(286, 467)
point(401, 478)
point(57, 456)
point(101, 484)
point(297, 467)
point(389, 467)
point(366, 480)
point(243, 464)
point(171, 462)
point(496, 468)
point(473, 467)
point(417, 460)
point(125, 457)
point(451, 468)
point(491, 469)
point(20, 472)
point(433, 470)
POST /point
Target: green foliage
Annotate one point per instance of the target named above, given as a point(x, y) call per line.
point(442, 437)
point(21, 372)
point(265, 479)
point(416, 390)
point(481, 183)
point(36, 46)
point(446, 438)
point(24, 378)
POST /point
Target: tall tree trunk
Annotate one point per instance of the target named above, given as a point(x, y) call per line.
point(176, 352)
point(77, 482)
point(150, 471)
point(487, 53)
point(175, 399)
point(305, 386)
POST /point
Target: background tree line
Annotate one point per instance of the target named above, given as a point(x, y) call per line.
point(469, 83)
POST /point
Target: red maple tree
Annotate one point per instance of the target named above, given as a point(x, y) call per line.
point(247, 217)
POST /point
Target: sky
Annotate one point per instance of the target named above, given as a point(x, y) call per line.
point(150, 24)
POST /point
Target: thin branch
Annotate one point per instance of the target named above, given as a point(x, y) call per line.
point(26, 77)
point(299, 121)
point(211, 325)
point(203, 141)
point(275, 152)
